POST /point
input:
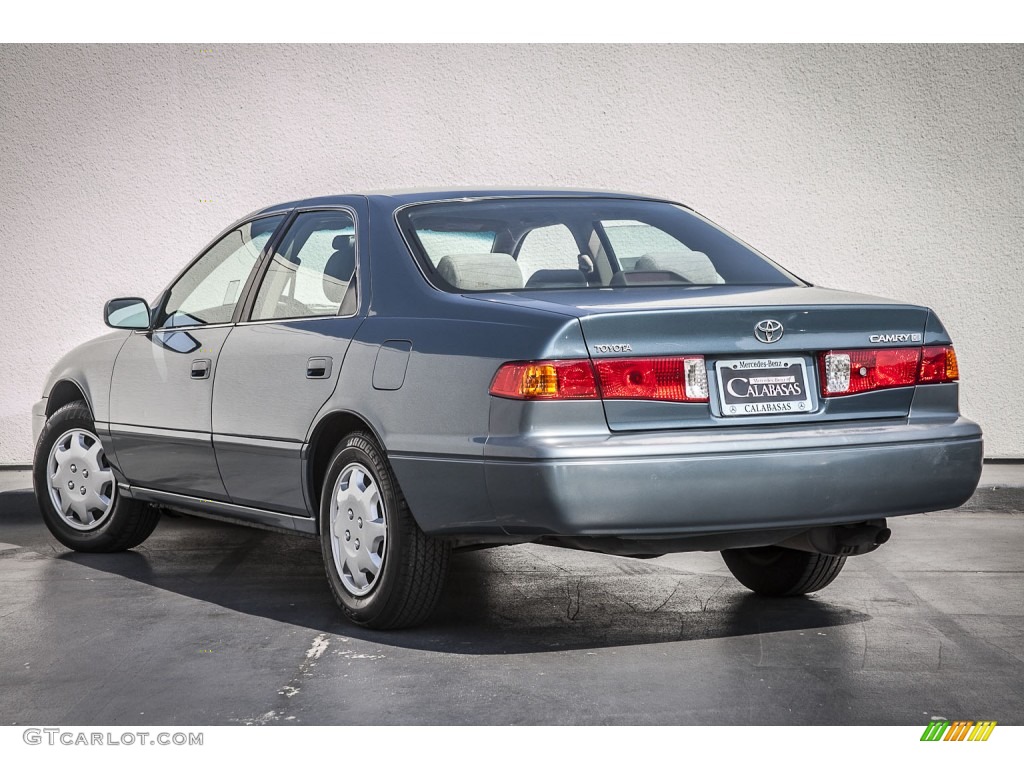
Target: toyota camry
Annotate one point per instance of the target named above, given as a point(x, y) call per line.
point(404, 375)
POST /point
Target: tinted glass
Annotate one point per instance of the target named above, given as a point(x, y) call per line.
point(631, 240)
point(560, 243)
point(547, 248)
point(440, 244)
point(210, 289)
point(310, 273)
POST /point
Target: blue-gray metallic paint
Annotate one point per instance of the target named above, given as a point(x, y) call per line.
point(472, 464)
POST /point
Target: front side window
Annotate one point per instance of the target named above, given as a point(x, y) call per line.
point(312, 271)
point(210, 288)
point(519, 244)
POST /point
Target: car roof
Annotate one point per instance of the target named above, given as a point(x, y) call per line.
point(403, 197)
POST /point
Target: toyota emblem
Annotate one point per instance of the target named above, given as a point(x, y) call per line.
point(768, 331)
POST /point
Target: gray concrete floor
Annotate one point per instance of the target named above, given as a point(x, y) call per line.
point(216, 624)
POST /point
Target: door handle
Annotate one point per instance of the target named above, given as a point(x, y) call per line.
point(319, 368)
point(200, 369)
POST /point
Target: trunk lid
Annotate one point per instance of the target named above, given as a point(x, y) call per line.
point(719, 323)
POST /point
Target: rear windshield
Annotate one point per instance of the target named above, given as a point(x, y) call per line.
point(577, 243)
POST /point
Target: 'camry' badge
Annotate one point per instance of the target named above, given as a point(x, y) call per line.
point(768, 331)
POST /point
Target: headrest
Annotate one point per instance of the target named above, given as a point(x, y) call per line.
point(339, 268)
point(557, 278)
point(481, 271)
point(689, 265)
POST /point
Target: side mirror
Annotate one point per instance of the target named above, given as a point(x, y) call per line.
point(131, 313)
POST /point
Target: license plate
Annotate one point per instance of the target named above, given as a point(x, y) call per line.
point(763, 386)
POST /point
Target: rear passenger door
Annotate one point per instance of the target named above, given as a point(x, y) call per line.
point(281, 362)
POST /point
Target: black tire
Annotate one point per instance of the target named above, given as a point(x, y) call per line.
point(126, 524)
point(780, 572)
point(413, 565)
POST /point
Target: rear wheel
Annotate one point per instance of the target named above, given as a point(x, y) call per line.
point(779, 572)
point(385, 573)
point(76, 489)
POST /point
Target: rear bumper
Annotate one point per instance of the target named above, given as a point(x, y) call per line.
point(642, 486)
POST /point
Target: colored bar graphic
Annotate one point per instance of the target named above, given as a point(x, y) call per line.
point(934, 730)
point(982, 730)
point(958, 730)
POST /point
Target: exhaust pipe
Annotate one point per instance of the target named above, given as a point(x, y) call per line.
point(842, 540)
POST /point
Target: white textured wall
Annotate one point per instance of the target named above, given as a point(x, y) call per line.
point(893, 170)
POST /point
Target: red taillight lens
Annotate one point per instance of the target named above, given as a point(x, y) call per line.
point(852, 371)
point(675, 379)
point(546, 380)
point(938, 364)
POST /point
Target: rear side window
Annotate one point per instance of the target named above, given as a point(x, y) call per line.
point(577, 243)
point(311, 272)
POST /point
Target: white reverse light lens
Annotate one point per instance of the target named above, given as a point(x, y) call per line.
point(696, 378)
point(837, 373)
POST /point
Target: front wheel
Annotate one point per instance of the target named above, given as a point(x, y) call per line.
point(76, 489)
point(385, 573)
point(781, 572)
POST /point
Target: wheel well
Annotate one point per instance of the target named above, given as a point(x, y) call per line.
point(64, 392)
point(326, 436)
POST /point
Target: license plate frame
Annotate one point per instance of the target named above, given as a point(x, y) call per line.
point(781, 386)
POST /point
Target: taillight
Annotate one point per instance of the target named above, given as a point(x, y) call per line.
point(672, 379)
point(938, 364)
point(852, 371)
point(546, 380)
point(675, 379)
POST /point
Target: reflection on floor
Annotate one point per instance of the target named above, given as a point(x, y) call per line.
point(209, 623)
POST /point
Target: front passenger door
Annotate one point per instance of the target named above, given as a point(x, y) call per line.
point(161, 392)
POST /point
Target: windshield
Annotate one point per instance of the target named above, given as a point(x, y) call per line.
point(577, 243)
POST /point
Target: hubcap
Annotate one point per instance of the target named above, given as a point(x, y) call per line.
point(82, 485)
point(359, 529)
